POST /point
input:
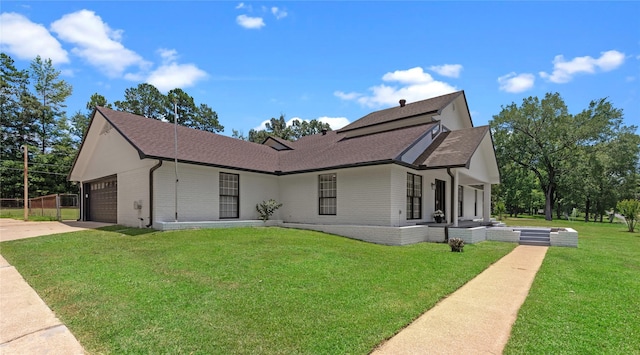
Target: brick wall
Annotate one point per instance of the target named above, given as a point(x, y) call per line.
point(566, 238)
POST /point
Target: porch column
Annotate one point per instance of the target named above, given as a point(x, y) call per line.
point(455, 205)
point(486, 203)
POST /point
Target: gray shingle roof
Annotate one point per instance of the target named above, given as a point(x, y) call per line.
point(155, 140)
point(433, 105)
point(453, 149)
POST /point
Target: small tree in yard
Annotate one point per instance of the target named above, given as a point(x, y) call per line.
point(630, 209)
point(267, 208)
point(500, 209)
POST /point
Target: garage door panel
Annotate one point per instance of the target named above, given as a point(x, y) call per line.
point(103, 200)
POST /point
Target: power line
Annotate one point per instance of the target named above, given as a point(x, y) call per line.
point(33, 171)
point(34, 162)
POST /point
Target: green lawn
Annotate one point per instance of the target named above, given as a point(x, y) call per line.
point(36, 214)
point(244, 290)
point(584, 300)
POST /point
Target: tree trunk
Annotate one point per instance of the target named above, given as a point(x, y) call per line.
point(548, 204)
point(586, 210)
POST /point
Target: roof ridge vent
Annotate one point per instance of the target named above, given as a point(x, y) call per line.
point(403, 102)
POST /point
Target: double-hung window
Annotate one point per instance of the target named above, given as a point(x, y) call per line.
point(414, 196)
point(229, 195)
point(327, 194)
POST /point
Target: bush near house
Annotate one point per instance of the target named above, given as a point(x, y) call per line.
point(267, 208)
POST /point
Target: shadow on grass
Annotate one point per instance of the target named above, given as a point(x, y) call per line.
point(126, 230)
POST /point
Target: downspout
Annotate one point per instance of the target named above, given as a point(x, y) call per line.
point(154, 168)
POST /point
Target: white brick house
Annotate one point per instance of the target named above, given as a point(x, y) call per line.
point(392, 168)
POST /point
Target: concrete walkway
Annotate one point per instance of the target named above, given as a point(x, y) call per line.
point(27, 325)
point(477, 318)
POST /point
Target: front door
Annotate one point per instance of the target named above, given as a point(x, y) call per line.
point(440, 199)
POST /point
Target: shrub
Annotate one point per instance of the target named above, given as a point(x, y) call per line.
point(500, 209)
point(267, 208)
point(456, 244)
point(630, 209)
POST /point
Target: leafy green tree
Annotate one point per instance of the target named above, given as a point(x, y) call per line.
point(238, 135)
point(52, 92)
point(542, 137)
point(306, 128)
point(97, 100)
point(144, 100)
point(80, 121)
point(32, 110)
point(630, 209)
point(179, 100)
point(257, 136)
point(206, 119)
point(278, 127)
point(18, 109)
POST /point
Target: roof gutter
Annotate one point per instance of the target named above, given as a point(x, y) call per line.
point(154, 168)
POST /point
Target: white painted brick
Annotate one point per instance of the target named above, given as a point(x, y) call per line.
point(566, 238)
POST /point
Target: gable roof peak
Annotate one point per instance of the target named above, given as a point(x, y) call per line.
point(405, 110)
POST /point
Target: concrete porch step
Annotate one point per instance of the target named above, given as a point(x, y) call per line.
point(545, 243)
point(534, 236)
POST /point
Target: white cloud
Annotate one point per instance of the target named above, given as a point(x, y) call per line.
point(334, 122)
point(516, 83)
point(97, 43)
point(410, 76)
point(416, 85)
point(278, 13)
point(250, 22)
point(448, 70)
point(168, 55)
point(26, 40)
point(564, 71)
point(347, 96)
point(243, 6)
point(171, 75)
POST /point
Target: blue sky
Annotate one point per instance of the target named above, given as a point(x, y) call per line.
point(335, 61)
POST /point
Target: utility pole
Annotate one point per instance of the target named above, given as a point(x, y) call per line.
point(175, 162)
point(26, 184)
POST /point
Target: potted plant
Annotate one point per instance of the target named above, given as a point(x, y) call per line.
point(456, 245)
point(438, 215)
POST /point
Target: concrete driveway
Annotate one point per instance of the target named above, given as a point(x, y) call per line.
point(11, 229)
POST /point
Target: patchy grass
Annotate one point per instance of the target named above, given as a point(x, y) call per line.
point(47, 214)
point(584, 300)
point(241, 290)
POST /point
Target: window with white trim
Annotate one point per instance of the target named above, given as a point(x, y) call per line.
point(414, 196)
point(327, 194)
point(229, 195)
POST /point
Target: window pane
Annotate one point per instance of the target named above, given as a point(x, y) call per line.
point(229, 195)
point(327, 192)
point(414, 196)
